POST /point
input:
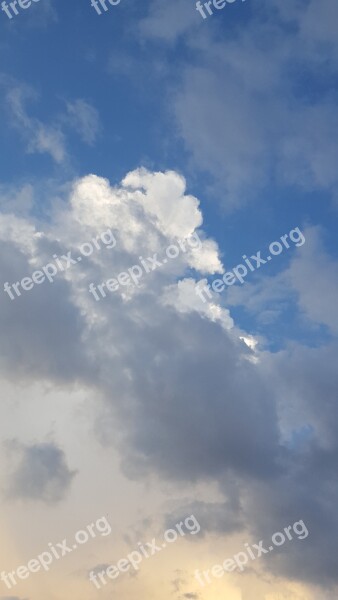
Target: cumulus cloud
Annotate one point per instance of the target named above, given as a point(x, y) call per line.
point(161, 201)
point(180, 398)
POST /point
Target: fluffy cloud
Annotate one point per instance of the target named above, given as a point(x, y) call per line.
point(183, 298)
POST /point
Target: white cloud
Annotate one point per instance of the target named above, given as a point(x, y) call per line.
point(183, 298)
point(159, 195)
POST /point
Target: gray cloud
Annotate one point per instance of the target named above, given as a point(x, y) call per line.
point(213, 517)
point(40, 324)
point(162, 23)
point(41, 473)
point(213, 411)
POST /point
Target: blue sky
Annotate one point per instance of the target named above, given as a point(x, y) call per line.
point(133, 77)
point(156, 123)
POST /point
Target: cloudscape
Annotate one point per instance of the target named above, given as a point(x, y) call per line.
point(168, 300)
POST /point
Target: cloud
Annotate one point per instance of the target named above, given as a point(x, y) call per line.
point(213, 517)
point(18, 201)
point(174, 389)
point(41, 473)
point(49, 138)
point(183, 298)
point(239, 105)
point(310, 283)
point(39, 137)
point(168, 22)
point(171, 217)
point(84, 118)
point(40, 326)
point(180, 582)
point(11, 598)
point(313, 274)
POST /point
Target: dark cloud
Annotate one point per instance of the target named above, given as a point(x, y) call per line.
point(40, 473)
point(39, 325)
point(214, 405)
point(306, 379)
point(272, 425)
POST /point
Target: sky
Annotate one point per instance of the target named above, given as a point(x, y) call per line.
point(168, 300)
